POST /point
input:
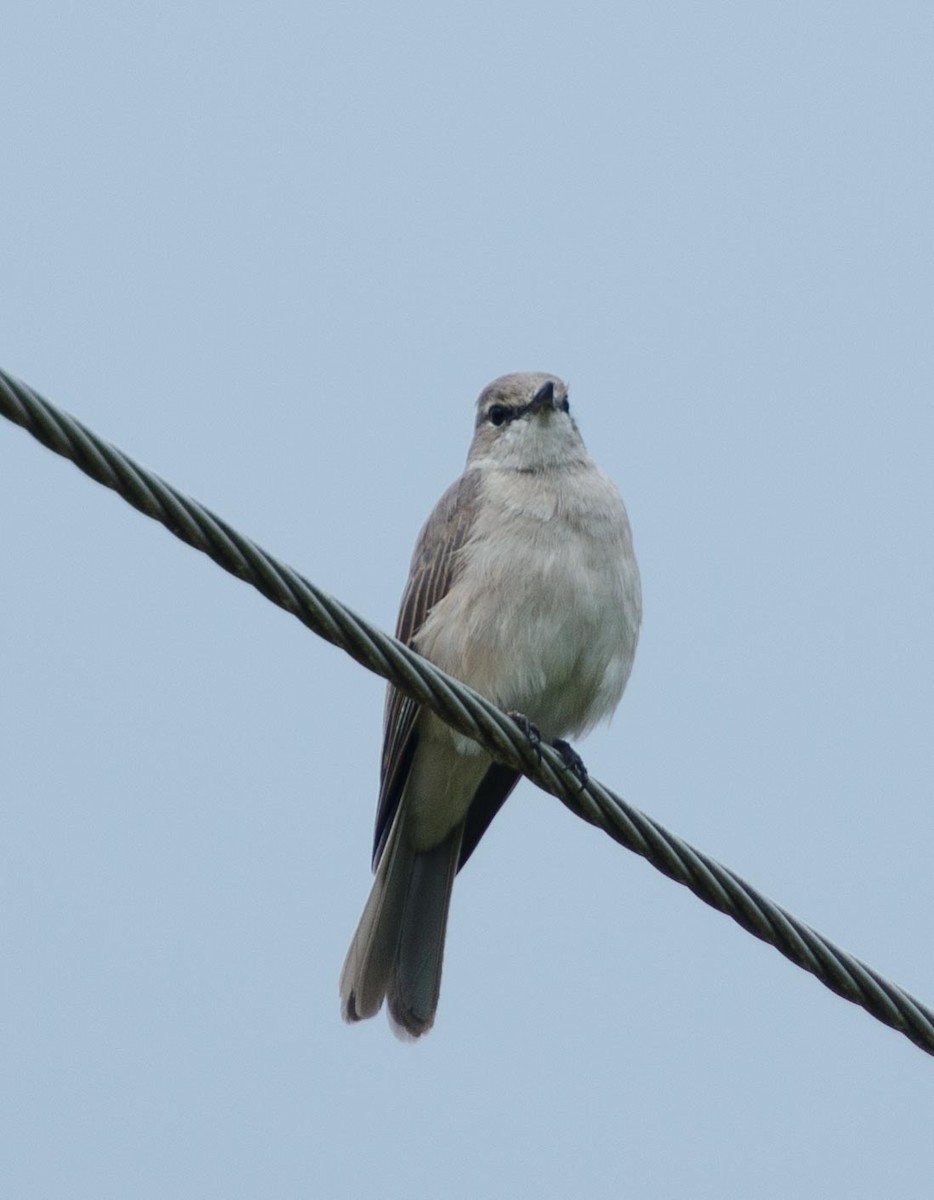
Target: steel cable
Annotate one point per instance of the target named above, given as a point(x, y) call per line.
point(468, 712)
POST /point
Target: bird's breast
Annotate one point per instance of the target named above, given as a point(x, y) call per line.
point(544, 612)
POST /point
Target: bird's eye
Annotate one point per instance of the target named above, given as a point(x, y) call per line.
point(565, 405)
point(497, 414)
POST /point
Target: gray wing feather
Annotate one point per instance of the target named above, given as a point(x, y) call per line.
point(435, 566)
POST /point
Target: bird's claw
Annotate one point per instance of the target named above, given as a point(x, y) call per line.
point(530, 731)
point(571, 759)
point(569, 756)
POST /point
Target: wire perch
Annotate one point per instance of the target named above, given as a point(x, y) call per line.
point(468, 712)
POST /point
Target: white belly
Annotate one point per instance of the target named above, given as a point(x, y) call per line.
point(544, 616)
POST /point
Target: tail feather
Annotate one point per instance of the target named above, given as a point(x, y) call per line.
point(415, 980)
point(370, 957)
point(398, 948)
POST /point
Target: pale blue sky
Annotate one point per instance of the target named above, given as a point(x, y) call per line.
point(274, 253)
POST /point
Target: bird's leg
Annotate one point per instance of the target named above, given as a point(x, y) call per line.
point(571, 759)
point(530, 731)
point(569, 756)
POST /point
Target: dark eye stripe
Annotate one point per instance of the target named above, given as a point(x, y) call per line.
point(499, 414)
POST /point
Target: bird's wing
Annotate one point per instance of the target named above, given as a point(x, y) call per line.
point(435, 566)
point(488, 799)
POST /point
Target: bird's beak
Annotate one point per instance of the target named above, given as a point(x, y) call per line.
point(543, 398)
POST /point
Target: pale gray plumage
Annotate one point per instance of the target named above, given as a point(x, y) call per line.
point(524, 585)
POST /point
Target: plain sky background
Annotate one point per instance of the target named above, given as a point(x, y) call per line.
point(273, 252)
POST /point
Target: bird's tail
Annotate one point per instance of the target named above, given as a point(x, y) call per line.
point(398, 948)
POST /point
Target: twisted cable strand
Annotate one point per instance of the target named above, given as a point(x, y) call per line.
point(469, 713)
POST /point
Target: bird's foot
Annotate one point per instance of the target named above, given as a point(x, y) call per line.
point(571, 759)
point(530, 731)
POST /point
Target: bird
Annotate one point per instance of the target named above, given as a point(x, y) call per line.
point(524, 585)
